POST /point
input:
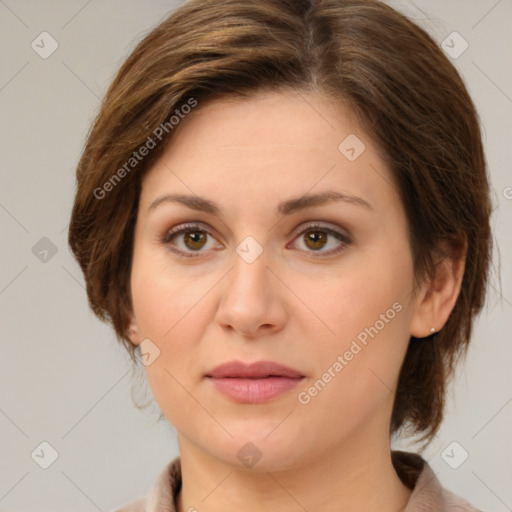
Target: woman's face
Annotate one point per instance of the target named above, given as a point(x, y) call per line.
point(267, 268)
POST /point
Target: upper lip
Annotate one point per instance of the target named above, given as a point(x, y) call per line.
point(258, 369)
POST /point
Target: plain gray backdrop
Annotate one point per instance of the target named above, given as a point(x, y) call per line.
point(64, 379)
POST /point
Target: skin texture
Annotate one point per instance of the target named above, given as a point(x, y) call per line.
point(295, 304)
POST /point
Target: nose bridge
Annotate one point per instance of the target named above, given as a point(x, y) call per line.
point(250, 260)
point(249, 297)
point(250, 275)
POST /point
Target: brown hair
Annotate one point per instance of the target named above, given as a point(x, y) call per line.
point(407, 94)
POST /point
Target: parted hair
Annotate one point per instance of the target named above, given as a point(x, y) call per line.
point(406, 93)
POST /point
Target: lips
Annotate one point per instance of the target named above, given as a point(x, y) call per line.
point(258, 370)
point(253, 383)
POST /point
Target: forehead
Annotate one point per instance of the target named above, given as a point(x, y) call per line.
point(299, 120)
point(268, 147)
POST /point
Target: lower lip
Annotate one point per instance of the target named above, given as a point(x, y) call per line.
point(254, 391)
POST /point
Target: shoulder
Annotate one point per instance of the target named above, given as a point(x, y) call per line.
point(138, 505)
point(455, 503)
point(161, 495)
point(427, 492)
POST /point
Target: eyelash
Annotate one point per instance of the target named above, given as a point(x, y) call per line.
point(193, 227)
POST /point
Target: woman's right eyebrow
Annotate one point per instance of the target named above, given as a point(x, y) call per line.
point(194, 202)
point(287, 207)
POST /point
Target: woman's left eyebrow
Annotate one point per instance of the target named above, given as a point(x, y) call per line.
point(285, 208)
point(321, 198)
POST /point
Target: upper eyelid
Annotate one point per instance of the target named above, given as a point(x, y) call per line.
point(328, 226)
point(183, 227)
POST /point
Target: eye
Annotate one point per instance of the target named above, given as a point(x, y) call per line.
point(188, 239)
point(316, 237)
point(191, 238)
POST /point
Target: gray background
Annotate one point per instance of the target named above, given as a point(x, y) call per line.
point(64, 380)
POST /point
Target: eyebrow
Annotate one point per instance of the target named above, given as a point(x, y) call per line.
point(285, 208)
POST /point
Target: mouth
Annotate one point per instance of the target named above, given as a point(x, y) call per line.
point(253, 383)
point(258, 370)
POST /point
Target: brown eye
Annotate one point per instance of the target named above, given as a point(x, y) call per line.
point(317, 237)
point(188, 239)
point(195, 240)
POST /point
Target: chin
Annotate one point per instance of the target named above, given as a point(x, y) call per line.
point(253, 449)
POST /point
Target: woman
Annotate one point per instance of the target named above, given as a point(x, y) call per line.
point(283, 209)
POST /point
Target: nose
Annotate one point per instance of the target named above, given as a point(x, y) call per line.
point(252, 300)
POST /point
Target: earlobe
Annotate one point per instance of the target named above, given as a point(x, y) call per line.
point(437, 297)
point(132, 330)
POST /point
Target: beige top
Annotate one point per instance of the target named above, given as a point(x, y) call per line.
point(428, 495)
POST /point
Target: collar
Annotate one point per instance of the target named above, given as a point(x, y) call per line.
point(428, 495)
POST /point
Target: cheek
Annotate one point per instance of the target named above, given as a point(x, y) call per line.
point(368, 310)
point(371, 293)
point(168, 311)
point(165, 299)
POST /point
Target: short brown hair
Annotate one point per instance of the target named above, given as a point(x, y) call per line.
point(407, 94)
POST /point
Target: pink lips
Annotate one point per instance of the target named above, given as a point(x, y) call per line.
point(254, 383)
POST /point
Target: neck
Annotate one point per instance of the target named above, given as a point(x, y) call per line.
point(348, 479)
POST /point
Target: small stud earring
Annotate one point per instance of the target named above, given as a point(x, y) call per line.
point(433, 334)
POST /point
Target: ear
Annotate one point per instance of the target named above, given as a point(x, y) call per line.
point(438, 295)
point(132, 330)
